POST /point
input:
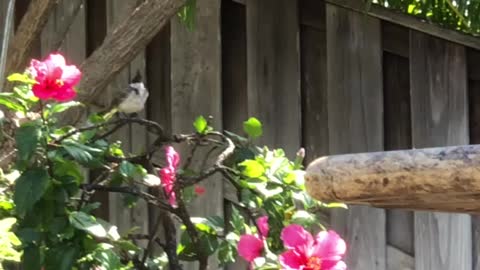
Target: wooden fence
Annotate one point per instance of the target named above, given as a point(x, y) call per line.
point(323, 75)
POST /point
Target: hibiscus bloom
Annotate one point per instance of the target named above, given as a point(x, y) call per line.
point(55, 79)
point(250, 246)
point(325, 252)
point(168, 174)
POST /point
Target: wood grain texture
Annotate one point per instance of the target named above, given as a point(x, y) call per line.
point(119, 213)
point(473, 60)
point(355, 117)
point(395, 39)
point(7, 20)
point(273, 68)
point(196, 90)
point(234, 85)
point(397, 130)
point(314, 92)
point(398, 260)
point(439, 118)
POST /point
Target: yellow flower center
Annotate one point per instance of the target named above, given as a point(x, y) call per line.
point(59, 82)
point(314, 263)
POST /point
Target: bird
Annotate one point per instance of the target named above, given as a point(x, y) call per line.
point(131, 99)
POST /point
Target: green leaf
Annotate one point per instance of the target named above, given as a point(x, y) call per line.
point(23, 78)
point(29, 188)
point(31, 259)
point(200, 124)
point(90, 224)
point(80, 152)
point(252, 168)
point(253, 127)
point(335, 205)
point(303, 218)
point(11, 102)
point(187, 14)
point(106, 257)
point(127, 169)
point(62, 258)
point(226, 253)
point(27, 138)
point(61, 107)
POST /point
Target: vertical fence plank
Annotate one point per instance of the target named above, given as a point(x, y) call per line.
point(397, 126)
point(474, 127)
point(273, 68)
point(355, 117)
point(314, 92)
point(234, 88)
point(119, 213)
point(196, 90)
point(439, 118)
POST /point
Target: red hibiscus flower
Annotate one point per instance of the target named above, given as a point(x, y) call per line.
point(324, 252)
point(168, 174)
point(199, 190)
point(55, 80)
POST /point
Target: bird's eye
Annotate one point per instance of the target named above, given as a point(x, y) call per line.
point(134, 89)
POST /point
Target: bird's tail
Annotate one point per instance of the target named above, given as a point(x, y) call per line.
point(110, 114)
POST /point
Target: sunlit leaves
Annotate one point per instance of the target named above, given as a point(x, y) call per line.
point(8, 241)
point(253, 127)
point(92, 225)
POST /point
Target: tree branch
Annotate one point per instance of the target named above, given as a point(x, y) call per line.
point(123, 44)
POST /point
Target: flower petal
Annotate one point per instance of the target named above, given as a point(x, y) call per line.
point(262, 223)
point(55, 60)
point(173, 158)
point(296, 237)
point(71, 75)
point(334, 265)
point(199, 190)
point(329, 245)
point(291, 260)
point(249, 247)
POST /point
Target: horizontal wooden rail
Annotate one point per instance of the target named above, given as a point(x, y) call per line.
point(443, 179)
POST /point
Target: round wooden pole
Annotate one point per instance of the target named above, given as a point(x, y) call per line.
point(440, 179)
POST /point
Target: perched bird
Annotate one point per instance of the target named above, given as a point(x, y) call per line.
point(131, 99)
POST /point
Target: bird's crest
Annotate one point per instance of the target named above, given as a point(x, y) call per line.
point(137, 78)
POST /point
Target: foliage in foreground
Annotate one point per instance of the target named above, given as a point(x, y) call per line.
point(47, 208)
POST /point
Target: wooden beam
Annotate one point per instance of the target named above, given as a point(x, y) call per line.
point(442, 178)
point(408, 21)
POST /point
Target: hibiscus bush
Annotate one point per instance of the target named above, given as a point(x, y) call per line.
point(47, 207)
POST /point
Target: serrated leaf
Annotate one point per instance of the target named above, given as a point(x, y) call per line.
point(252, 168)
point(29, 188)
point(253, 127)
point(200, 124)
point(27, 138)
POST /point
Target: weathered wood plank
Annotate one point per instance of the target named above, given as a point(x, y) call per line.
point(439, 118)
point(473, 66)
point(196, 90)
point(397, 126)
point(7, 17)
point(355, 105)
point(312, 13)
point(398, 260)
point(408, 21)
point(395, 39)
point(119, 213)
point(234, 85)
point(273, 68)
point(314, 92)
point(96, 24)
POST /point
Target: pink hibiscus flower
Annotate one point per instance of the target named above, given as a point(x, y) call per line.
point(325, 252)
point(55, 80)
point(250, 246)
point(168, 174)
